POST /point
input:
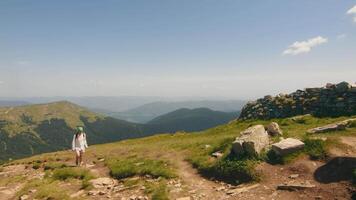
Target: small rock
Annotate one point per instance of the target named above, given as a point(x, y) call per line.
point(217, 154)
point(183, 198)
point(24, 197)
point(274, 129)
point(33, 191)
point(295, 186)
point(293, 176)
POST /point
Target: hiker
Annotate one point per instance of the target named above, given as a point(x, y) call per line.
point(79, 145)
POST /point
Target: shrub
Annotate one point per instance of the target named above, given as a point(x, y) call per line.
point(133, 166)
point(352, 124)
point(68, 172)
point(229, 168)
point(54, 165)
point(36, 165)
point(160, 192)
point(73, 173)
point(315, 148)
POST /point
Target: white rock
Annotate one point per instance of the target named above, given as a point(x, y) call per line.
point(252, 141)
point(274, 129)
point(287, 146)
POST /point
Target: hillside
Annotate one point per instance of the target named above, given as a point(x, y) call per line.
point(182, 166)
point(190, 120)
point(28, 130)
point(33, 129)
point(331, 100)
point(150, 111)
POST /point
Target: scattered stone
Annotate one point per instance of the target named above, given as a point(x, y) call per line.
point(252, 141)
point(24, 197)
point(241, 189)
point(103, 182)
point(295, 186)
point(287, 146)
point(328, 128)
point(92, 193)
point(217, 154)
point(33, 191)
point(293, 176)
point(183, 198)
point(274, 129)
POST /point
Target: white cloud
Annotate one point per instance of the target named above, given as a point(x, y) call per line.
point(352, 10)
point(304, 46)
point(1, 82)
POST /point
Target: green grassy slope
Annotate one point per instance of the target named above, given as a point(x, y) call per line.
point(193, 145)
point(28, 130)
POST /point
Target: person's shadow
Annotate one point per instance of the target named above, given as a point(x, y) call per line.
point(336, 170)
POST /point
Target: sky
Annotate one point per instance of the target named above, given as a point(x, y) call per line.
point(203, 48)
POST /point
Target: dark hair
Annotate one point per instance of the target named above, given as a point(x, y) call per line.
point(77, 134)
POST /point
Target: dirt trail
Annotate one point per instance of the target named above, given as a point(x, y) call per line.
point(198, 186)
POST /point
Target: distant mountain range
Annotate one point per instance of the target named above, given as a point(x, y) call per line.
point(33, 129)
point(190, 120)
point(147, 112)
point(5, 103)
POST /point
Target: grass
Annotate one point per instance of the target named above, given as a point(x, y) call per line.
point(130, 167)
point(316, 149)
point(197, 148)
point(73, 173)
point(54, 165)
point(46, 189)
point(36, 165)
point(158, 191)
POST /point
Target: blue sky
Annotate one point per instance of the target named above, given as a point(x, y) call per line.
point(220, 48)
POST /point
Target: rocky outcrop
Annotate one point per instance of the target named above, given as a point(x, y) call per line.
point(273, 129)
point(287, 146)
point(331, 100)
point(251, 142)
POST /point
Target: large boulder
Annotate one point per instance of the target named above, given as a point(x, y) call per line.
point(251, 142)
point(287, 146)
point(274, 129)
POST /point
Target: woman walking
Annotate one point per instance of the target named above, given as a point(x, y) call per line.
point(79, 145)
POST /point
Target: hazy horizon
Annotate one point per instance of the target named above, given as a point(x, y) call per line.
point(171, 49)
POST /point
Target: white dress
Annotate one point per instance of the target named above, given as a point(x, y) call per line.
point(80, 143)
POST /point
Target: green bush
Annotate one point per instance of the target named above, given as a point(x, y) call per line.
point(71, 172)
point(36, 165)
point(133, 166)
point(315, 148)
point(54, 165)
point(229, 168)
point(352, 124)
point(160, 192)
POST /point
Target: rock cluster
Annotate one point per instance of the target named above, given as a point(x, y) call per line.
point(331, 100)
point(253, 140)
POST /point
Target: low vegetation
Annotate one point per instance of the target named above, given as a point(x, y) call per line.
point(123, 168)
point(316, 149)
